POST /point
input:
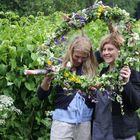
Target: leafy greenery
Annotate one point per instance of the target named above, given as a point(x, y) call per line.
point(7, 109)
point(31, 7)
point(129, 53)
point(20, 37)
point(19, 40)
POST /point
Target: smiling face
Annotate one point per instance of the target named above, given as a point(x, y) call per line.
point(109, 53)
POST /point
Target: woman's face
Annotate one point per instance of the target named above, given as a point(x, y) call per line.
point(78, 58)
point(110, 53)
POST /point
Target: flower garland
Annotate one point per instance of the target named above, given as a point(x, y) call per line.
point(79, 20)
point(110, 81)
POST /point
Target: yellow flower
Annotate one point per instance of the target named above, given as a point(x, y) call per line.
point(72, 78)
point(98, 15)
point(49, 62)
point(77, 80)
point(66, 74)
point(101, 9)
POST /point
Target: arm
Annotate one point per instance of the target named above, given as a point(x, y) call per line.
point(44, 89)
point(132, 89)
point(133, 94)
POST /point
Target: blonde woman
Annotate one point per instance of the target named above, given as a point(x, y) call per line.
point(73, 113)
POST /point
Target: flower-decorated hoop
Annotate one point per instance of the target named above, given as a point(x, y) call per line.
point(79, 20)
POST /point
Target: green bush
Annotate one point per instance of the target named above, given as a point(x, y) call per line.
point(20, 39)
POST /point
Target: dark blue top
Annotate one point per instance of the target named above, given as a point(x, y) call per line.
point(108, 119)
point(62, 100)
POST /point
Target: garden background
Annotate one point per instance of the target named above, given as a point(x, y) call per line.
point(24, 26)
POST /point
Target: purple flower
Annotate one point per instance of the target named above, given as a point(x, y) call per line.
point(82, 19)
point(62, 39)
point(56, 41)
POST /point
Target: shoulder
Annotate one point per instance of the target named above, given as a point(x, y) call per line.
point(135, 76)
point(104, 70)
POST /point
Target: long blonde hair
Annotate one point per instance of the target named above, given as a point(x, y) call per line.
point(82, 43)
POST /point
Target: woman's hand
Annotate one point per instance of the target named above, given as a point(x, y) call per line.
point(92, 96)
point(47, 81)
point(125, 73)
point(93, 88)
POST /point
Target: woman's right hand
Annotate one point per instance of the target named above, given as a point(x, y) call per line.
point(47, 81)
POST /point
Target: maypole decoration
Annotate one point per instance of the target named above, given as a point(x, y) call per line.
point(130, 52)
point(80, 19)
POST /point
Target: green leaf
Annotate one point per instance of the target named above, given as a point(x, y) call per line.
point(3, 69)
point(30, 86)
point(34, 56)
point(13, 64)
point(12, 52)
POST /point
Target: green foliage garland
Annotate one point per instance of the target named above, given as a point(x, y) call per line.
point(129, 53)
point(81, 18)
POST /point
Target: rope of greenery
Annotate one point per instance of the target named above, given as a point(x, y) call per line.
point(129, 54)
point(81, 18)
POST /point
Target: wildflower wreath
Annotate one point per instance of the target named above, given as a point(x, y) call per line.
point(129, 54)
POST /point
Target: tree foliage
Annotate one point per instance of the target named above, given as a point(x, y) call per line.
point(32, 7)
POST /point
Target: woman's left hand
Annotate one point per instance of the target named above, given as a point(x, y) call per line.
point(125, 73)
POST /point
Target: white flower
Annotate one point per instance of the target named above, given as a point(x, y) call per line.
point(6, 107)
point(68, 65)
point(84, 11)
point(1, 107)
point(18, 111)
point(2, 121)
point(6, 100)
point(104, 75)
point(56, 68)
point(100, 2)
point(137, 53)
point(105, 13)
point(136, 36)
point(49, 113)
point(53, 35)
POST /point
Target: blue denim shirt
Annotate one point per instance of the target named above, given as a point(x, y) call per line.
point(76, 112)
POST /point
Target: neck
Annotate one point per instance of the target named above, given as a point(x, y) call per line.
point(111, 67)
